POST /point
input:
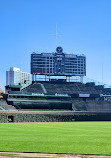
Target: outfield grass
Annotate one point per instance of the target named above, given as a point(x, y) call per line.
point(76, 137)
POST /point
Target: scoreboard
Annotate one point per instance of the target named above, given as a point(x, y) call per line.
point(58, 64)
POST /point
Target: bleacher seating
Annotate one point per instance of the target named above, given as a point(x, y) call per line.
point(93, 105)
point(74, 89)
point(35, 87)
point(78, 104)
point(5, 106)
point(64, 88)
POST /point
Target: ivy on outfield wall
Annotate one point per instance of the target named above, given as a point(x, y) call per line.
point(26, 117)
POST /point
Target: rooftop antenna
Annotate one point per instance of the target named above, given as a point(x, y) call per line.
point(21, 65)
point(57, 35)
point(20, 72)
point(102, 74)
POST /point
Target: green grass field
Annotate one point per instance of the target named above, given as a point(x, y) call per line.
point(76, 137)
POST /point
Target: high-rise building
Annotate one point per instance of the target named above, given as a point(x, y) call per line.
point(58, 64)
point(1, 91)
point(15, 76)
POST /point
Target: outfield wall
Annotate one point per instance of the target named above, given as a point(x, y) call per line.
point(7, 117)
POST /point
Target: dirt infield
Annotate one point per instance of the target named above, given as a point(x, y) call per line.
point(46, 155)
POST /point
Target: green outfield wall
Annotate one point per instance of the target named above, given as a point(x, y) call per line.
point(7, 117)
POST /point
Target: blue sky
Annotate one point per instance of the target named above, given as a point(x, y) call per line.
point(28, 25)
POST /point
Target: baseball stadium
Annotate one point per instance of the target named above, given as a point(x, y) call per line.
point(56, 116)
